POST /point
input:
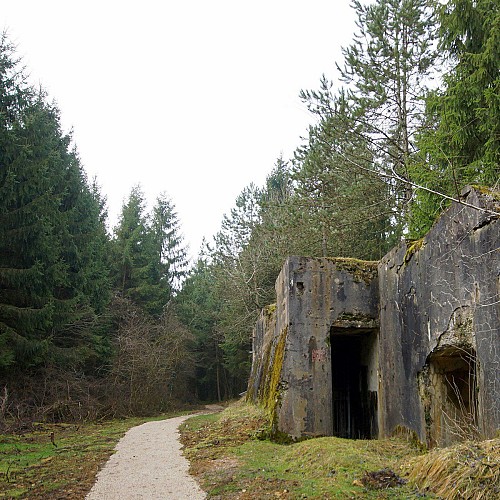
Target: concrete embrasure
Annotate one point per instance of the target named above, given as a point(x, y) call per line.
point(148, 464)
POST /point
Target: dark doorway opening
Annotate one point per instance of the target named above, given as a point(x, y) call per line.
point(452, 407)
point(354, 383)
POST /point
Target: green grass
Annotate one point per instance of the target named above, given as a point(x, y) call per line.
point(32, 467)
point(231, 458)
point(325, 467)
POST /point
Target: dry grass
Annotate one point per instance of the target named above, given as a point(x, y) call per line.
point(468, 470)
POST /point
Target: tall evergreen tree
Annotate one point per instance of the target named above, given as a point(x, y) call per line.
point(133, 252)
point(461, 143)
point(150, 258)
point(387, 67)
point(45, 210)
point(31, 269)
point(170, 251)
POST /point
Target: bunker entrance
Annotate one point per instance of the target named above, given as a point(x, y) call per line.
point(354, 383)
point(453, 405)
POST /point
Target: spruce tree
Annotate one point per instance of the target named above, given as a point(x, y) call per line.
point(31, 269)
point(170, 252)
point(150, 258)
point(461, 141)
point(48, 259)
point(133, 252)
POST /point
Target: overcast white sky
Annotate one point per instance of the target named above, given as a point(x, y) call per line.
point(195, 98)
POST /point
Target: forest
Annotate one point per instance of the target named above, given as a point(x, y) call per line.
point(98, 322)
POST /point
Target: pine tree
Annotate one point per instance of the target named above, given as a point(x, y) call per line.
point(343, 203)
point(387, 68)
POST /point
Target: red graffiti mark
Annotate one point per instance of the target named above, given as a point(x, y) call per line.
point(319, 355)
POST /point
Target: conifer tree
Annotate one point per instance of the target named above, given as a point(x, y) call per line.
point(342, 201)
point(48, 262)
point(170, 251)
point(387, 68)
point(133, 252)
point(150, 258)
point(461, 141)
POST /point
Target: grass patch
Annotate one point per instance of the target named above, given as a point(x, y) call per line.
point(232, 458)
point(34, 465)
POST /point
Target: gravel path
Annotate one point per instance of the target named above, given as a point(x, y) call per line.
point(148, 464)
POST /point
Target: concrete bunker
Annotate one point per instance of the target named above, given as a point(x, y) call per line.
point(411, 341)
point(354, 382)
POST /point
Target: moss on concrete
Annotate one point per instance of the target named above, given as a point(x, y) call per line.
point(487, 191)
point(361, 270)
point(270, 310)
point(271, 394)
point(412, 247)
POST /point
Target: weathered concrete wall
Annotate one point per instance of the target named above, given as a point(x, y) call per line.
point(321, 293)
point(423, 327)
point(442, 292)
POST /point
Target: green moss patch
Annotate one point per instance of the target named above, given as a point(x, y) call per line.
point(361, 270)
point(412, 247)
point(270, 310)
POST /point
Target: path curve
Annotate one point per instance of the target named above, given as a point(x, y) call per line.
point(148, 464)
